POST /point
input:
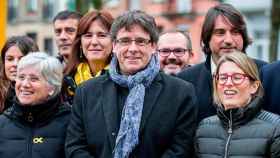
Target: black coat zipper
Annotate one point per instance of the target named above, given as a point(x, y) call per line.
point(29, 142)
point(30, 138)
point(229, 136)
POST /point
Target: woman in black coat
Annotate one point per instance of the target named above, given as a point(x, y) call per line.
point(35, 125)
point(241, 128)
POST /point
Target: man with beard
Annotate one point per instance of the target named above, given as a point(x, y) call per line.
point(224, 30)
point(65, 25)
point(175, 51)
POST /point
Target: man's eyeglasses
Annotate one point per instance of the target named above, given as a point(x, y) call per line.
point(128, 41)
point(236, 78)
point(99, 35)
point(178, 52)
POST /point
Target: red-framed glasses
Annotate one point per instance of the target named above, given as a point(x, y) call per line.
point(236, 78)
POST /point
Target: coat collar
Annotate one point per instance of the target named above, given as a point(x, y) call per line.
point(208, 63)
point(37, 115)
point(151, 96)
point(110, 110)
point(207, 79)
point(240, 116)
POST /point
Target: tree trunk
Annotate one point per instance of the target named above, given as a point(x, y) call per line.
point(274, 31)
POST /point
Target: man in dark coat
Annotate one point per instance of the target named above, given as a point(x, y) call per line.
point(271, 83)
point(223, 31)
point(134, 110)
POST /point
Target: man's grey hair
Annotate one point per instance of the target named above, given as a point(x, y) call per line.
point(49, 67)
point(130, 18)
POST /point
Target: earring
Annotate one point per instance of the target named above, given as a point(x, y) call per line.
point(81, 53)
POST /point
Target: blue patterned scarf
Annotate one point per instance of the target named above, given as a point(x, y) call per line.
point(128, 133)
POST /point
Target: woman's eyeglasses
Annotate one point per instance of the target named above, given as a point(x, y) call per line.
point(236, 78)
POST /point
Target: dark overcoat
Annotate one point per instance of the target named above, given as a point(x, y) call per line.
point(270, 75)
point(167, 125)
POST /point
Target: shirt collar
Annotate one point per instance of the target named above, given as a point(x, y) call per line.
point(213, 66)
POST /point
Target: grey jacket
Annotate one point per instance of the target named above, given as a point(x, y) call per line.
point(239, 133)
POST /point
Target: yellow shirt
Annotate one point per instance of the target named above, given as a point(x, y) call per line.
point(83, 73)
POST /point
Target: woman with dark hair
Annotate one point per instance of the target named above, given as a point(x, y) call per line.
point(3, 86)
point(14, 48)
point(91, 53)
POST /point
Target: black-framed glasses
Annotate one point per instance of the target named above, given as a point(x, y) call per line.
point(138, 41)
point(178, 52)
point(236, 78)
point(99, 35)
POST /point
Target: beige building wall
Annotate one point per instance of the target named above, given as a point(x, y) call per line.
point(28, 22)
point(43, 31)
point(167, 17)
point(165, 12)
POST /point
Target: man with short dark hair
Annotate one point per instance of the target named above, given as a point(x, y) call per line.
point(65, 25)
point(133, 110)
point(224, 30)
point(175, 51)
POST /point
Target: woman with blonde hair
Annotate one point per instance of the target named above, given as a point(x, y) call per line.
point(241, 128)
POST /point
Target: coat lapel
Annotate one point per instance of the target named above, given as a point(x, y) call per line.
point(109, 100)
point(151, 96)
point(207, 80)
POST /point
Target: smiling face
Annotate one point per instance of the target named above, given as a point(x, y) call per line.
point(96, 43)
point(31, 88)
point(12, 58)
point(134, 56)
point(232, 95)
point(173, 64)
point(225, 38)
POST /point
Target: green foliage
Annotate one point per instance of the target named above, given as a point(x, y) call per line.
point(97, 4)
point(84, 5)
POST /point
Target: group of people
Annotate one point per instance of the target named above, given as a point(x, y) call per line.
point(120, 89)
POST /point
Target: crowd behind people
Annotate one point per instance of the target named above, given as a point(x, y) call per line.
point(119, 89)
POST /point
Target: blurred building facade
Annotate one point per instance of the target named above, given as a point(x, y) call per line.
point(257, 15)
point(34, 18)
point(185, 15)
